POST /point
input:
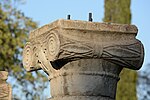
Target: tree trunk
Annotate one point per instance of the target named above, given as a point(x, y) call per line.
point(118, 11)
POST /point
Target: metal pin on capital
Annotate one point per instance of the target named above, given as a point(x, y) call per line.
point(90, 17)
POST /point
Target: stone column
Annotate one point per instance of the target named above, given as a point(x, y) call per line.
point(5, 89)
point(83, 59)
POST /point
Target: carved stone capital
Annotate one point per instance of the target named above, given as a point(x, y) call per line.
point(70, 51)
point(5, 89)
point(64, 41)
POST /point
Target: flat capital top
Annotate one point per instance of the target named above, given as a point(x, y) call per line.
point(84, 25)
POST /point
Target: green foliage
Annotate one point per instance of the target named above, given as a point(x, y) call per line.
point(14, 28)
point(118, 11)
point(126, 89)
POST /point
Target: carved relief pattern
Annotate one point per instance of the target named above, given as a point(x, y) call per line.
point(55, 47)
point(40, 51)
point(75, 50)
point(27, 55)
point(30, 56)
point(51, 45)
point(129, 56)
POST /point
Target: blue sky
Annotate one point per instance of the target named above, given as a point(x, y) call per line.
point(47, 11)
point(141, 18)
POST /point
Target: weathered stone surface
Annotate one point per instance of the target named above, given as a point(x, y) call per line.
point(5, 89)
point(83, 59)
point(86, 77)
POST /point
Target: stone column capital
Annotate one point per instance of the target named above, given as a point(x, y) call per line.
point(83, 59)
point(66, 40)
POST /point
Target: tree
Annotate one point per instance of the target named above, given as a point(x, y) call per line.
point(14, 28)
point(118, 11)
